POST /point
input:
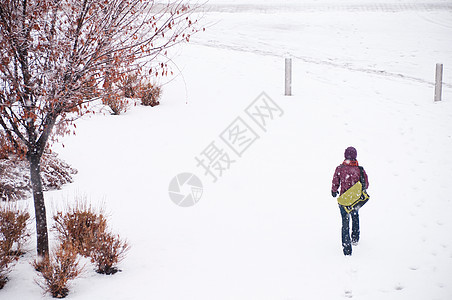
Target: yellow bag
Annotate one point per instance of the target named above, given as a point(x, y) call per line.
point(350, 196)
point(353, 198)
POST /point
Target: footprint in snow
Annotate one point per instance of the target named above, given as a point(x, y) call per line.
point(399, 287)
point(348, 294)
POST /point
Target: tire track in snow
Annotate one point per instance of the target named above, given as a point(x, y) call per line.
point(446, 23)
point(326, 62)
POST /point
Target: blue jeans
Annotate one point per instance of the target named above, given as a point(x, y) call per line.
point(346, 242)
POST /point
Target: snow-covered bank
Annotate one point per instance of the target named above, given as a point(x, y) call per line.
point(270, 7)
point(402, 45)
point(268, 228)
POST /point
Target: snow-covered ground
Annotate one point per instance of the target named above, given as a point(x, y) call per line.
point(268, 228)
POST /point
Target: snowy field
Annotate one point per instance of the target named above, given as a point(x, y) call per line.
point(268, 228)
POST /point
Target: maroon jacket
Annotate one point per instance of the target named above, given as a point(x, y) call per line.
point(346, 176)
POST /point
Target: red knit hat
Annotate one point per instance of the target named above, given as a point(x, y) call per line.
point(350, 153)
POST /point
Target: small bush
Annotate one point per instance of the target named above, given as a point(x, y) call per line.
point(117, 104)
point(6, 264)
point(13, 227)
point(80, 226)
point(15, 181)
point(55, 172)
point(56, 270)
point(13, 235)
point(108, 251)
point(132, 87)
point(150, 94)
point(129, 84)
point(85, 229)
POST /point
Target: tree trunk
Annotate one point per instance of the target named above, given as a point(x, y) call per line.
point(40, 208)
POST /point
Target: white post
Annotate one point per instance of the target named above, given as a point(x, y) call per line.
point(288, 77)
point(438, 81)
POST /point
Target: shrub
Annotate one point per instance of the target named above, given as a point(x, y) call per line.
point(80, 226)
point(15, 176)
point(117, 104)
point(55, 172)
point(13, 234)
point(150, 94)
point(108, 251)
point(56, 270)
point(85, 229)
point(132, 87)
point(129, 84)
point(6, 264)
point(13, 227)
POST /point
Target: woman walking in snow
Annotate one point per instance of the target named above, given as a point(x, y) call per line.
point(346, 176)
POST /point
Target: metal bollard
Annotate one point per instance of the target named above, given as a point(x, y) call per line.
point(288, 80)
point(438, 81)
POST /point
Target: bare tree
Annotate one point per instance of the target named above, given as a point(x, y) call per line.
point(57, 56)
